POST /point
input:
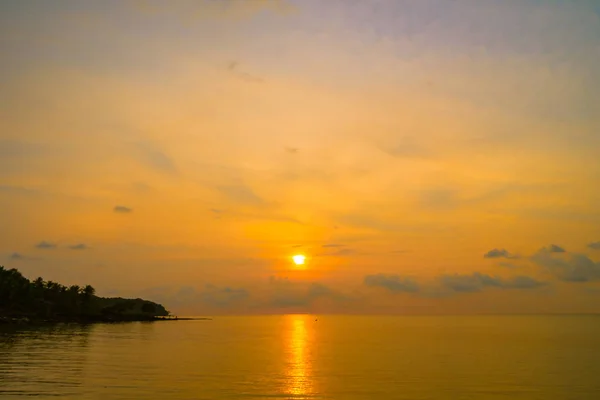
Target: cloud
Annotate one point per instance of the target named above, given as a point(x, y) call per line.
point(215, 9)
point(46, 245)
point(275, 295)
point(476, 282)
point(553, 249)
point(292, 150)
point(241, 193)
point(218, 213)
point(79, 246)
point(523, 282)
point(408, 147)
point(393, 283)
point(461, 196)
point(187, 296)
point(254, 208)
point(498, 253)
point(508, 265)
point(20, 149)
point(343, 252)
point(18, 190)
point(468, 283)
point(233, 67)
point(122, 209)
point(337, 250)
point(141, 188)
point(318, 289)
point(366, 222)
point(16, 256)
point(284, 293)
point(156, 158)
point(299, 295)
point(439, 198)
point(594, 245)
point(576, 268)
point(223, 296)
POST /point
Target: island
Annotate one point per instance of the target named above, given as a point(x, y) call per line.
point(40, 301)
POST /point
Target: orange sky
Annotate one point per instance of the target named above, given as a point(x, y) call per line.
point(185, 152)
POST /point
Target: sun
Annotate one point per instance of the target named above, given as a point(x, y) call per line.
point(299, 259)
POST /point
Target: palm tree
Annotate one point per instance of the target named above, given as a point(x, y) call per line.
point(52, 290)
point(87, 293)
point(39, 282)
point(74, 298)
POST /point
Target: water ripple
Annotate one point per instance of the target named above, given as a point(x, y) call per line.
point(292, 358)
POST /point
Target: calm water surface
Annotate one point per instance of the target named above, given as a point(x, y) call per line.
point(296, 357)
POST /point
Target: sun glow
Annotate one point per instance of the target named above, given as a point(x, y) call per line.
point(299, 380)
point(299, 259)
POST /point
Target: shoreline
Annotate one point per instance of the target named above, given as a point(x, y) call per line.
point(26, 320)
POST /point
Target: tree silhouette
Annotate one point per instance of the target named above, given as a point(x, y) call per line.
point(89, 291)
point(148, 308)
point(38, 298)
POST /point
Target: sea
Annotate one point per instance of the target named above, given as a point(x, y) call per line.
point(307, 357)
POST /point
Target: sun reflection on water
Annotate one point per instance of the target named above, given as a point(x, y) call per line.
point(299, 379)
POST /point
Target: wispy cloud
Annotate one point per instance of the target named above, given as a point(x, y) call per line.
point(20, 149)
point(393, 283)
point(439, 198)
point(16, 256)
point(284, 293)
point(508, 265)
point(79, 246)
point(18, 190)
point(594, 245)
point(223, 296)
point(211, 296)
point(242, 194)
point(406, 147)
point(218, 213)
point(341, 252)
point(46, 245)
point(477, 281)
point(156, 158)
point(234, 68)
point(367, 222)
point(236, 10)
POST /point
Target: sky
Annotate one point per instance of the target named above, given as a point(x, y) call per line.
point(427, 157)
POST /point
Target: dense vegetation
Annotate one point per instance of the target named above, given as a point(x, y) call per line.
point(51, 301)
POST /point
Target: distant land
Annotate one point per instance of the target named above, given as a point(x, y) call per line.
point(40, 301)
